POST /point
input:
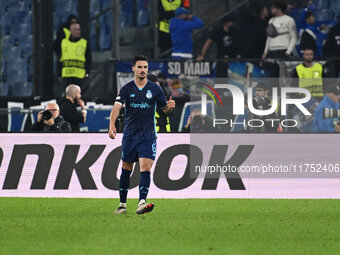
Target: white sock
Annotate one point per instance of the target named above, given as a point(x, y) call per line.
point(122, 205)
point(142, 201)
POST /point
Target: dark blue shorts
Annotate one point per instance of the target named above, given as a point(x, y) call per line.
point(133, 149)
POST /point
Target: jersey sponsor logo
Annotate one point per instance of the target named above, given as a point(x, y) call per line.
point(132, 95)
point(141, 105)
point(148, 94)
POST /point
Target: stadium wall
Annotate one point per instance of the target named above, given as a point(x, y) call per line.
point(88, 165)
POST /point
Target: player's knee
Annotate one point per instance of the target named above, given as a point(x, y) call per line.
point(127, 166)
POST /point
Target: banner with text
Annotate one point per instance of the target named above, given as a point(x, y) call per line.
point(89, 165)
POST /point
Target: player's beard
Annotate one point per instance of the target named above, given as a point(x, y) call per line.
point(142, 77)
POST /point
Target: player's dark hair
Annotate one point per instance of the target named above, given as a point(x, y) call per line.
point(282, 5)
point(139, 58)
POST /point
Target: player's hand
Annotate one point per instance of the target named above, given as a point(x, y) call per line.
point(81, 103)
point(264, 55)
point(171, 103)
point(112, 133)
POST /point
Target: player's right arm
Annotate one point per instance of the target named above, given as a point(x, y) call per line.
point(113, 117)
point(115, 112)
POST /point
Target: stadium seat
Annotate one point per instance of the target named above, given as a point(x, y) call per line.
point(126, 14)
point(142, 13)
point(105, 32)
point(4, 89)
point(324, 15)
point(28, 89)
point(22, 17)
point(335, 6)
point(5, 19)
point(143, 18)
point(93, 36)
point(320, 4)
point(16, 120)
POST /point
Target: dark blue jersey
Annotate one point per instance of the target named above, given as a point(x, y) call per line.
point(140, 106)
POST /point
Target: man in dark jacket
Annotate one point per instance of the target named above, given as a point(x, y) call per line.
point(69, 107)
point(52, 122)
point(332, 46)
point(309, 33)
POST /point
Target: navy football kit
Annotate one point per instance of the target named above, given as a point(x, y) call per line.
point(139, 139)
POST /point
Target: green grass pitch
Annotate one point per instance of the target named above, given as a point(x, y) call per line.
point(186, 226)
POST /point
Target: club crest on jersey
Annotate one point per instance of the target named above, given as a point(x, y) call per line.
point(148, 94)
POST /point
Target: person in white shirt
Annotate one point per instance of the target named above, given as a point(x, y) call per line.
point(281, 31)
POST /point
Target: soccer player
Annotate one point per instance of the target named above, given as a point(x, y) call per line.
point(141, 98)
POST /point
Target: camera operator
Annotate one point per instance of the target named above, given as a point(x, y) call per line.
point(331, 101)
point(50, 120)
point(198, 123)
point(262, 101)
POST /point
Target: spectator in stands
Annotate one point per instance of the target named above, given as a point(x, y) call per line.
point(330, 100)
point(198, 123)
point(64, 32)
point(263, 101)
point(166, 11)
point(162, 120)
point(309, 75)
point(281, 33)
point(331, 47)
point(50, 120)
point(75, 60)
point(181, 28)
point(309, 32)
point(164, 84)
point(227, 45)
point(69, 107)
point(177, 89)
point(252, 32)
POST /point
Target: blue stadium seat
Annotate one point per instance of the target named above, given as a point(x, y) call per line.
point(324, 15)
point(126, 13)
point(4, 89)
point(22, 17)
point(6, 42)
point(94, 8)
point(105, 32)
point(6, 19)
point(320, 4)
point(93, 36)
point(103, 4)
point(143, 18)
point(142, 13)
point(28, 89)
point(335, 6)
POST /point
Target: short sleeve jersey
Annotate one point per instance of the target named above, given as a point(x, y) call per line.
point(140, 107)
